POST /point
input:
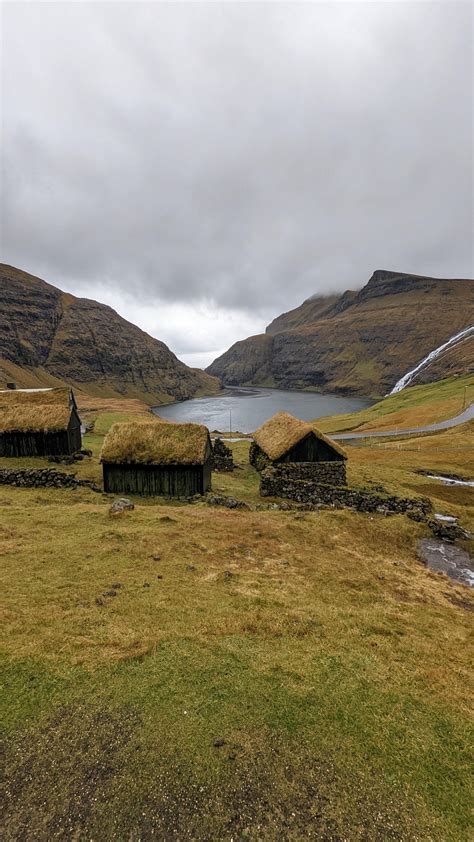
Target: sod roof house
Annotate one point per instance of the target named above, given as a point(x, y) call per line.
point(39, 422)
point(286, 439)
point(153, 458)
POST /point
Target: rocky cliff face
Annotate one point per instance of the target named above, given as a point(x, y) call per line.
point(360, 342)
point(47, 336)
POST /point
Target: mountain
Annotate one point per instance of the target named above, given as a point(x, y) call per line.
point(48, 336)
point(360, 342)
point(309, 311)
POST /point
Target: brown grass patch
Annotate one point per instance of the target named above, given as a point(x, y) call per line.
point(44, 410)
point(156, 443)
point(47, 418)
point(90, 405)
point(43, 397)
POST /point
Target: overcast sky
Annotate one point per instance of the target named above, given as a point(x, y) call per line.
point(204, 167)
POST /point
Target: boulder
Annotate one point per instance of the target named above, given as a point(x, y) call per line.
point(122, 504)
point(227, 502)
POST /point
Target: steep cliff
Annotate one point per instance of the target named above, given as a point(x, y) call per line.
point(360, 342)
point(48, 336)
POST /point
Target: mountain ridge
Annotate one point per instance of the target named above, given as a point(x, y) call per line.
point(49, 336)
point(359, 342)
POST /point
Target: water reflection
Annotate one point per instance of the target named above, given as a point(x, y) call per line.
point(244, 409)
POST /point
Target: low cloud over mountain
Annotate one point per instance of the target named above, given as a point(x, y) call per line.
point(202, 167)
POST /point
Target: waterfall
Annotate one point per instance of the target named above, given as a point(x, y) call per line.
point(408, 377)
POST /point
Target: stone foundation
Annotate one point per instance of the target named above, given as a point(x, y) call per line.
point(276, 482)
point(42, 478)
point(257, 458)
point(222, 459)
point(329, 473)
point(333, 473)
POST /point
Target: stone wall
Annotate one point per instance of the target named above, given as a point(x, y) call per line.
point(275, 482)
point(333, 473)
point(42, 478)
point(222, 459)
point(257, 458)
point(330, 473)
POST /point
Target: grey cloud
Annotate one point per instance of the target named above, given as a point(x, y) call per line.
point(248, 155)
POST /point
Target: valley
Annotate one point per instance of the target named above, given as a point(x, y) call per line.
point(236, 422)
point(236, 666)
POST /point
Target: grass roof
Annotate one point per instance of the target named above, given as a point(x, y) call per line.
point(36, 397)
point(283, 431)
point(37, 418)
point(152, 443)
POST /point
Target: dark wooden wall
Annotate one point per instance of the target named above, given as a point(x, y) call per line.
point(207, 474)
point(57, 443)
point(35, 444)
point(157, 480)
point(311, 449)
point(74, 433)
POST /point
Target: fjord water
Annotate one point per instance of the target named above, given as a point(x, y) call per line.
point(249, 407)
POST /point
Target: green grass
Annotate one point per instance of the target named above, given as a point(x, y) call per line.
point(323, 662)
point(333, 666)
point(102, 423)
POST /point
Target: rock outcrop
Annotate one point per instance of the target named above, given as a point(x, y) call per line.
point(360, 342)
point(48, 337)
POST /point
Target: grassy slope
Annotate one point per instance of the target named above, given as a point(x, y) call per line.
point(332, 664)
point(51, 334)
point(38, 378)
point(415, 406)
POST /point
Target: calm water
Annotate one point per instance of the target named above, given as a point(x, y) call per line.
point(251, 407)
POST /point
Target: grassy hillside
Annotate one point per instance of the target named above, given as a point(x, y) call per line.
point(187, 672)
point(311, 310)
point(415, 406)
point(49, 337)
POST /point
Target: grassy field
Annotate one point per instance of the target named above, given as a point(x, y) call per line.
point(187, 672)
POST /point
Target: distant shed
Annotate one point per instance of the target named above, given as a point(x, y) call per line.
point(152, 458)
point(284, 438)
point(39, 422)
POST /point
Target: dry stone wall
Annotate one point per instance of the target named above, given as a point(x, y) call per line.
point(42, 478)
point(333, 473)
point(275, 482)
point(257, 458)
point(330, 473)
point(222, 459)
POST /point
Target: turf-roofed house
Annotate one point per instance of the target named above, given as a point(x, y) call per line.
point(39, 422)
point(156, 458)
point(286, 440)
